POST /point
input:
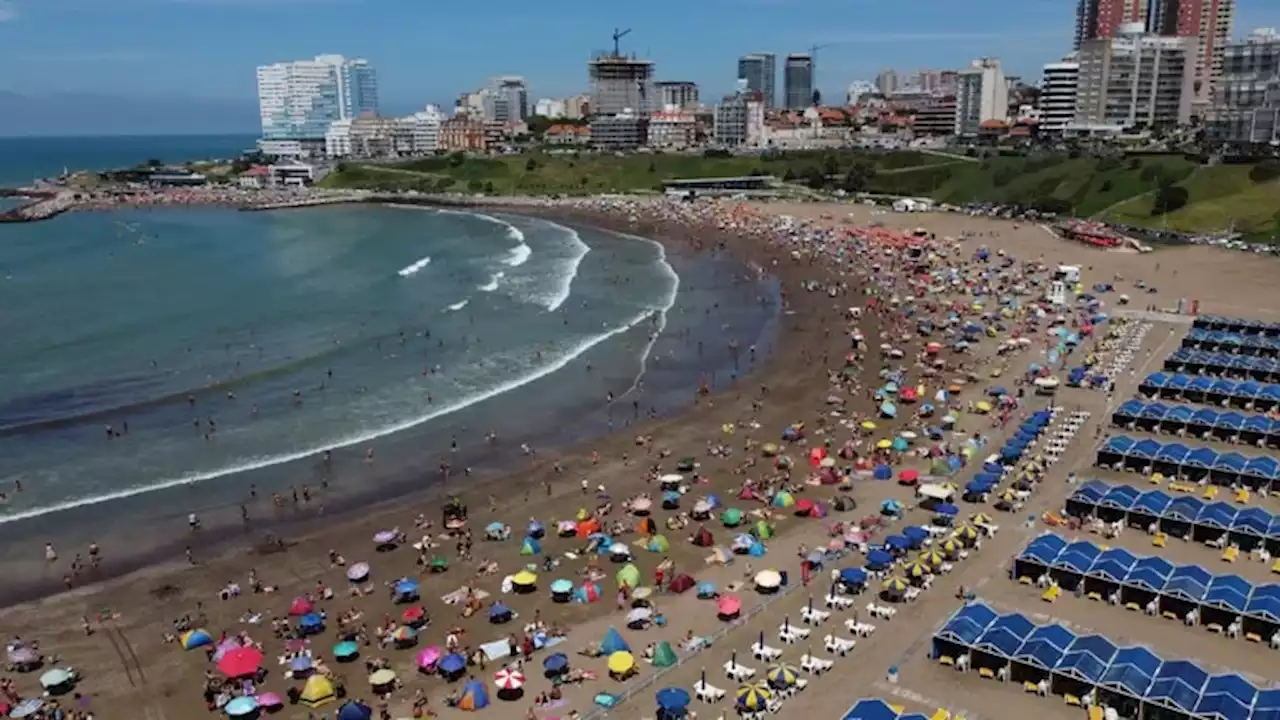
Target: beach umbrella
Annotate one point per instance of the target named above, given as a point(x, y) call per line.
point(300, 664)
point(639, 615)
point(619, 552)
point(782, 676)
point(385, 676)
point(508, 679)
point(241, 706)
point(932, 558)
point(190, 640)
point(621, 662)
point(980, 519)
point(561, 587)
point(428, 657)
point(566, 528)
point(269, 700)
point(525, 579)
point(358, 572)
point(240, 662)
point(663, 655)
point(56, 677)
point(346, 650)
point(300, 606)
point(966, 534)
point(555, 664)
point(867, 425)
point(909, 476)
point(900, 444)
point(884, 444)
point(672, 700)
point(629, 576)
point(895, 585)
point(474, 696)
point(853, 577)
point(499, 612)
point(406, 588)
point(882, 471)
point(451, 664)
point(878, 559)
point(353, 710)
point(947, 510)
point(404, 634)
point(706, 590)
point(753, 697)
point(311, 622)
point(950, 547)
point(917, 570)
point(413, 615)
point(768, 580)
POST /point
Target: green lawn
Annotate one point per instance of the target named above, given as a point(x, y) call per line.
point(1220, 197)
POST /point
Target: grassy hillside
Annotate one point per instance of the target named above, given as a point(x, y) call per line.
point(1219, 197)
point(542, 173)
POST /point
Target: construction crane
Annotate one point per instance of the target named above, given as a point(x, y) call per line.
point(813, 71)
point(618, 35)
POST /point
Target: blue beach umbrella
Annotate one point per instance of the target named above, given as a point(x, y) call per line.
point(241, 706)
point(452, 663)
point(853, 577)
point(345, 650)
point(302, 663)
point(672, 699)
point(556, 664)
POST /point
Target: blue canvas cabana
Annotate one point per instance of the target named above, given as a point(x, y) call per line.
point(1039, 554)
point(1234, 342)
point(1043, 649)
point(1150, 508)
point(1262, 612)
point(1189, 463)
point(1000, 641)
point(1083, 665)
point(1185, 590)
point(1127, 680)
point(1177, 686)
point(1244, 394)
point(1109, 571)
point(1075, 560)
point(1117, 502)
point(1267, 705)
point(1227, 697)
point(1146, 581)
point(963, 630)
point(1226, 598)
point(1237, 325)
point(871, 709)
point(1197, 362)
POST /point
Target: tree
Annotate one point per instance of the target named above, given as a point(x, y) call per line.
point(859, 177)
point(816, 179)
point(1169, 198)
point(830, 166)
point(1265, 171)
point(530, 165)
point(488, 187)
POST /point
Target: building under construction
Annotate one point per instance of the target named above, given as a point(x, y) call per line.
point(620, 84)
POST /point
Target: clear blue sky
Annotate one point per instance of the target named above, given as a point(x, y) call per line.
point(430, 50)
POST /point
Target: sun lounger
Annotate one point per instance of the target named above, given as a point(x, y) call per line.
point(838, 602)
point(707, 692)
point(814, 616)
point(738, 672)
point(765, 652)
point(815, 665)
point(838, 645)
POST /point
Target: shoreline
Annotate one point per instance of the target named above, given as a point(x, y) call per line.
point(378, 491)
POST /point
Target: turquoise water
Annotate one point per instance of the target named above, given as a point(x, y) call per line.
point(25, 159)
point(227, 341)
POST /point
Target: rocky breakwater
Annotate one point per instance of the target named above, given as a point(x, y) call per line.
point(42, 207)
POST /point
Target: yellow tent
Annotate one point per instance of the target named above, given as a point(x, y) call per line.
point(317, 691)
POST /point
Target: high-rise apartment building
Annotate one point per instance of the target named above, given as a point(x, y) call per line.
point(798, 76)
point(679, 93)
point(982, 94)
point(297, 101)
point(1058, 87)
point(1102, 18)
point(1136, 79)
point(887, 81)
point(1247, 103)
point(760, 71)
point(512, 98)
point(739, 119)
point(621, 84)
point(1209, 21)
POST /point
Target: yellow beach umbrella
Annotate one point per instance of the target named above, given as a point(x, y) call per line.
point(524, 577)
point(753, 697)
point(983, 406)
point(382, 677)
point(965, 534)
point(895, 585)
point(782, 676)
point(917, 570)
point(867, 425)
point(884, 444)
point(950, 547)
point(932, 558)
point(621, 662)
point(980, 519)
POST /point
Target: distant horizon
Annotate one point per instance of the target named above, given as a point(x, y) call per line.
point(96, 136)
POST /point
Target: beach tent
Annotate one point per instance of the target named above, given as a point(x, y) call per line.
point(193, 639)
point(474, 696)
point(530, 546)
point(702, 538)
point(658, 543)
point(317, 691)
point(646, 526)
point(629, 575)
point(681, 583)
point(353, 710)
point(613, 642)
point(762, 530)
point(663, 655)
point(588, 592)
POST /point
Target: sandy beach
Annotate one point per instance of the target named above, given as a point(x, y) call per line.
point(826, 256)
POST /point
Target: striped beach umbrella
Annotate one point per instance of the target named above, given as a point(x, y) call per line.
point(966, 534)
point(782, 676)
point(509, 679)
point(980, 519)
point(895, 585)
point(753, 697)
point(932, 558)
point(917, 570)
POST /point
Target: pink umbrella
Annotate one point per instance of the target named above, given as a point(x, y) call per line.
point(728, 605)
point(269, 699)
point(428, 657)
point(300, 606)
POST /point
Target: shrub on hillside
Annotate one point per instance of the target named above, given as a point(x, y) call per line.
point(1265, 171)
point(1169, 198)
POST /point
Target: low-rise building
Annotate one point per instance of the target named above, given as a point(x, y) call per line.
point(567, 134)
point(622, 132)
point(673, 129)
point(937, 117)
point(739, 120)
point(461, 133)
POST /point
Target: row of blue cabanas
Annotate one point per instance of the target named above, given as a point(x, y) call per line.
point(1232, 342)
point(1249, 394)
point(877, 709)
point(1256, 471)
point(1177, 515)
point(1200, 362)
point(1120, 576)
point(1132, 679)
point(1222, 424)
point(1236, 324)
point(988, 478)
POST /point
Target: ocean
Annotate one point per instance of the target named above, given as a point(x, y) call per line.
point(165, 361)
point(23, 160)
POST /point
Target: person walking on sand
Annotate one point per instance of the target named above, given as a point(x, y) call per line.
point(50, 555)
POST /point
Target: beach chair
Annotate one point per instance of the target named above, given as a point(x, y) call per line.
point(1275, 566)
point(1052, 593)
point(987, 673)
point(941, 714)
point(1095, 712)
point(838, 602)
point(838, 645)
point(947, 660)
point(1070, 699)
point(814, 616)
point(738, 672)
point(1231, 554)
point(1210, 493)
point(815, 665)
point(764, 652)
point(1094, 595)
point(708, 693)
point(1159, 539)
point(1242, 495)
point(1253, 637)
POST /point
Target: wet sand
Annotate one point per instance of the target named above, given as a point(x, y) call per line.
point(129, 667)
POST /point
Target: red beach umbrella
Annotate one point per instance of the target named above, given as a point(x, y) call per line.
point(412, 615)
point(240, 662)
point(508, 679)
point(300, 606)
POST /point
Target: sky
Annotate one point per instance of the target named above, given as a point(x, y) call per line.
point(430, 51)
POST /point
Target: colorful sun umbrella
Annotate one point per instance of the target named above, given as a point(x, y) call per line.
point(621, 662)
point(932, 558)
point(917, 569)
point(404, 633)
point(428, 657)
point(358, 572)
point(895, 585)
point(345, 650)
point(753, 697)
point(385, 676)
point(240, 707)
point(190, 640)
point(269, 700)
point(509, 679)
point(782, 675)
point(240, 662)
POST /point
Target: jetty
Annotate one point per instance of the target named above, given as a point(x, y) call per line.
point(42, 207)
point(304, 202)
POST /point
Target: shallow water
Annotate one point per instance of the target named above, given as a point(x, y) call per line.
point(277, 335)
